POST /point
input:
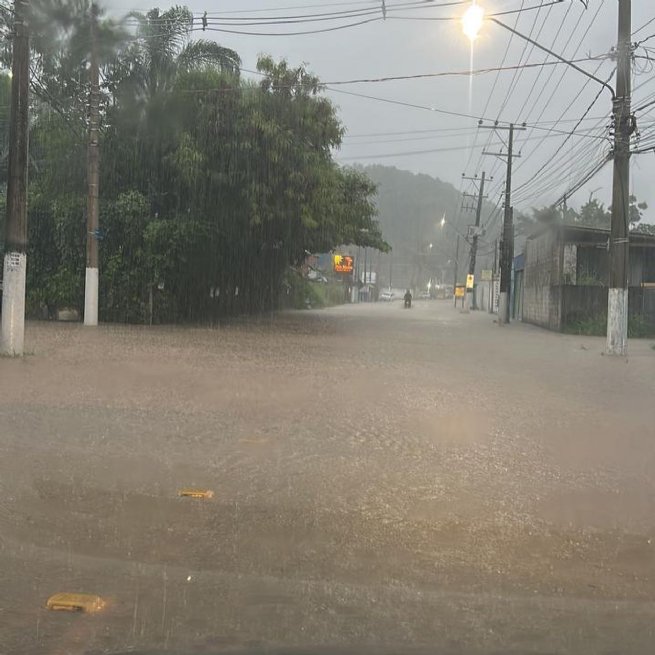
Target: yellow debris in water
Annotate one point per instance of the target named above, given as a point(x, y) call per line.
point(75, 603)
point(196, 493)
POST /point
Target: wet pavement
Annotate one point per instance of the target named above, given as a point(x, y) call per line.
point(384, 481)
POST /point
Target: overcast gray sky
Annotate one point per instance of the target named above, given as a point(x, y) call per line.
point(550, 97)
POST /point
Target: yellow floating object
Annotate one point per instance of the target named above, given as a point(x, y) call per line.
point(196, 493)
point(75, 603)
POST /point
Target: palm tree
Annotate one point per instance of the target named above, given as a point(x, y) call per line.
point(162, 49)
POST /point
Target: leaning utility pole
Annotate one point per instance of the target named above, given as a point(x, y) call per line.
point(617, 302)
point(15, 260)
point(93, 155)
point(470, 296)
point(507, 241)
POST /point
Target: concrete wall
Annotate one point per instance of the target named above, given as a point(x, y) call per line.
point(483, 295)
point(541, 296)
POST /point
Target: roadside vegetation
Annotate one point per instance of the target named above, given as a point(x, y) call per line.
point(211, 184)
point(596, 326)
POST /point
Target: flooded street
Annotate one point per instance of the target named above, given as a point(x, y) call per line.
point(384, 480)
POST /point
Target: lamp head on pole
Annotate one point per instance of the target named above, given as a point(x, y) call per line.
point(472, 21)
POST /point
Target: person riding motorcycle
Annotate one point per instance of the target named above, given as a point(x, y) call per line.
point(408, 299)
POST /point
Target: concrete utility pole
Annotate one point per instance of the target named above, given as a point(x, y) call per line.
point(470, 297)
point(15, 260)
point(617, 301)
point(455, 273)
point(507, 242)
point(93, 156)
point(493, 279)
point(390, 270)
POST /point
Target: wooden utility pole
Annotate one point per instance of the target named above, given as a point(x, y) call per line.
point(15, 259)
point(507, 244)
point(93, 157)
point(507, 241)
point(624, 125)
point(470, 297)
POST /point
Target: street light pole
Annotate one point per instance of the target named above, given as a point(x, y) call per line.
point(553, 54)
point(617, 300)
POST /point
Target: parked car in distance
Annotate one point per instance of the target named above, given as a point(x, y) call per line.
point(386, 296)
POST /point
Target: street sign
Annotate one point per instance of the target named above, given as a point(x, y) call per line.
point(459, 291)
point(470, 281)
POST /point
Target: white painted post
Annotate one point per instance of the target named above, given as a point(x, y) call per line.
point(13, 303)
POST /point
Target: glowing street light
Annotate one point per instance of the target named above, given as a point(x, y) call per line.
point(443, 220)
point(472, 21)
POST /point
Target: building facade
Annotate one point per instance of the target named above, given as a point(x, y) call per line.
point(565, 276)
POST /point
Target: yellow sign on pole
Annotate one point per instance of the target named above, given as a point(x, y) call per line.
point(470, 279)
point(459, 291)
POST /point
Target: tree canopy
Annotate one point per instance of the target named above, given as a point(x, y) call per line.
point(211, 185)
point(593, 213)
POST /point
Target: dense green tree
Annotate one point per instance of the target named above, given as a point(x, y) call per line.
point(211, 185)
point(636, 210)
point(594, 214)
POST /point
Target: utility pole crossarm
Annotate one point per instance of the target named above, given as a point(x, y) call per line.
point(511, 126)
point(501, 154)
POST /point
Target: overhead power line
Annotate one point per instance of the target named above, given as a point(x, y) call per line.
point(396, 78)
point(586, 178)
point(458, 133)
point(563, 22)
point(434, 150)
point(369, 17)
point(644, 26)
point(371, 8)
point(579, 40)
point(572, 132)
